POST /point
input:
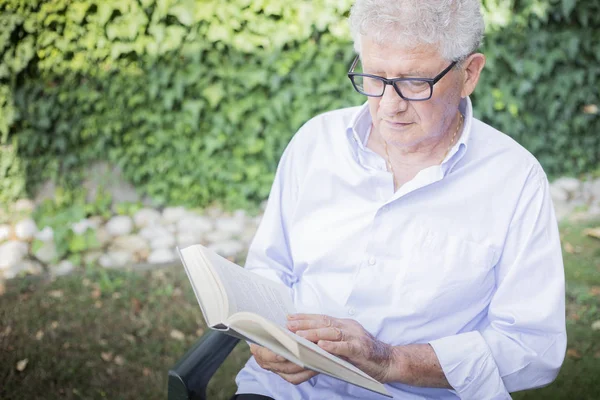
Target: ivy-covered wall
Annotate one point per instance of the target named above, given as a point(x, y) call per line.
point(196, 99)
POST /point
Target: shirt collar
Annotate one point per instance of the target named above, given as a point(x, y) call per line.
point(459, 149)
point(359, 128)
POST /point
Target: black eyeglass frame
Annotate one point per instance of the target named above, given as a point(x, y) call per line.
point(391, 82)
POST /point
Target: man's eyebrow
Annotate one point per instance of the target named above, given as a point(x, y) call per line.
point(414, 74)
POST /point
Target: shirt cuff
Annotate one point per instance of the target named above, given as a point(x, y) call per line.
point(469, 366)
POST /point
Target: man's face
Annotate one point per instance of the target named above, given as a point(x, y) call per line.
point(411, 124)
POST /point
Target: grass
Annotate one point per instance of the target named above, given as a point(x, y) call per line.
point(103, 334)
point(99, 335)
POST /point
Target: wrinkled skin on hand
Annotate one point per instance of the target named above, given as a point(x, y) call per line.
point(347, 339)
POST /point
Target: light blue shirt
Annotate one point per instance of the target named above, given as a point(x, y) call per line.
point(466, 257)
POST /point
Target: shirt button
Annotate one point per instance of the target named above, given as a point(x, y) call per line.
point(372, 261)
point(351, 311)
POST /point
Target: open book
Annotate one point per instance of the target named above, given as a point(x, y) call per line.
point(253, 308)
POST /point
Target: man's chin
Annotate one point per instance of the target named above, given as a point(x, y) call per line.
point(401, 139)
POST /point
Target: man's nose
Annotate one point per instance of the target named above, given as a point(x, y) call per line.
point(391, 102)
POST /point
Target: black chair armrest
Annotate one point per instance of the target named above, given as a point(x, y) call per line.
point(189, 378)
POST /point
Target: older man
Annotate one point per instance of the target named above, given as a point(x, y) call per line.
point(419, 243)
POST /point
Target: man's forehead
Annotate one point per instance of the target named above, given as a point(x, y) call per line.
point(409, 58)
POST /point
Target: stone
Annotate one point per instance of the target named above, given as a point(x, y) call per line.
point(196, 225)
point(595, 190)
point(569, 185)
point(562, 210)
point(30, 267)
point(594, 211)
point(146, 217)
point(558, 194)
point(81, 226)
point(239, 214)
point(148, 201)
point(596, 325)
point(256, 220)
point(217, 236)
point(228, 248)
point(578, 205)
point(214, 212)
point(102, 236)
point(152, 232)
point(45, 235)
point(187, 239)
point(47, 253)
point(65, 267)
point(172, 228)
point(586, 192)
point(4, 232)
point(106, 261)
point(160, 256)
point(233, 226)
point(591, 191)
point(114, 259)
point(263, 205)
point(136, 245)
point(248, 234)
point(119, 225)
point(26, 229)
point(163, 242)
point(12, 253)
point(46, 191)
point(171, 215)
point(95, 221)
point(24, 205)
point(101, 176)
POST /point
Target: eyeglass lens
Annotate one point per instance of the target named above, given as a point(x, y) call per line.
point(410, 89)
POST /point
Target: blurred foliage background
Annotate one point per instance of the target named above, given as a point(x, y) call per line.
point(195, 99)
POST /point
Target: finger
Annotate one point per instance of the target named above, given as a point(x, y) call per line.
point(314, 321)
point(343, 349)
point(278, 366)
point(304, 316)
point(265, 355)
point(299, 377)
point(286, 367)
point(295, 317)
point(331, 334)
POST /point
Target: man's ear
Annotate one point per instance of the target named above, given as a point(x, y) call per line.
point(472, 70)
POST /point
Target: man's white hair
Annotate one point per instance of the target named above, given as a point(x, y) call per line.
point(455, 26)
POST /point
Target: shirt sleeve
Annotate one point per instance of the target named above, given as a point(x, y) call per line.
point(269, 253)
point(523, 344)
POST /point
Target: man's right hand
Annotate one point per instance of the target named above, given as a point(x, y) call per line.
point(279, 365)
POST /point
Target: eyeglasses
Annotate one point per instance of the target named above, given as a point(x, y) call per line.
point(412, 89)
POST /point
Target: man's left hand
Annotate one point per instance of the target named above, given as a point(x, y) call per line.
point(347, 339)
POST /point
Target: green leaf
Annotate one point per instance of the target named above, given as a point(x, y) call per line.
point(214, 93)
point(184, 12)
point(567, 7)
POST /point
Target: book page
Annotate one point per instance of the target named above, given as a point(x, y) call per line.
point(208, 292)
point(249, 292)
point(253, 332)
point(301, 351)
